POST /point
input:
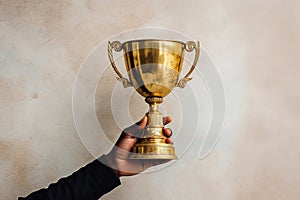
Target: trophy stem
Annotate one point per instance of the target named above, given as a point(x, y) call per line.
point(153, 143)
point(155, 124)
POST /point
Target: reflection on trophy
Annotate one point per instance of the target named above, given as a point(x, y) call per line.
point(153, 67)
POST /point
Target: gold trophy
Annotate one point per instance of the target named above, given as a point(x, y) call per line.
point(153, 67)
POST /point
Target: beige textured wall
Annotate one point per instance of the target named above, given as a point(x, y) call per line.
point(255, 44)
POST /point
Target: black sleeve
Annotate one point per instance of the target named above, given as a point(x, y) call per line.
point(89, 182)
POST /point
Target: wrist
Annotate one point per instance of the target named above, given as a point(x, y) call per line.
point(109, 161)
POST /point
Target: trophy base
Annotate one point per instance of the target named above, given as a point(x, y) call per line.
point(153, 151)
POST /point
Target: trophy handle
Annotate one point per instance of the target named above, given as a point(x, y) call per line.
point(117, 46)
point(189, 47)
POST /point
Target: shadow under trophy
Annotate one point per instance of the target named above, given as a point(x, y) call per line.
point(153, 67)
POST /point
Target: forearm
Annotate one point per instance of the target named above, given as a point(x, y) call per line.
point(90, 182)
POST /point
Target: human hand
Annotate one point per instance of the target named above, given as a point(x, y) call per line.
point(118, 157)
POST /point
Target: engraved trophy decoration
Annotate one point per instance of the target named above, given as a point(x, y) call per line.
point(153, 67)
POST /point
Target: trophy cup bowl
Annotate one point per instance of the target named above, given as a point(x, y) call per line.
point(153, 67)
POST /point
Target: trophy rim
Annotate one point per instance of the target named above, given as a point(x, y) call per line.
point(154, 40)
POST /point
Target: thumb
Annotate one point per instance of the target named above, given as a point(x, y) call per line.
point(142, 123)
point(135, 129)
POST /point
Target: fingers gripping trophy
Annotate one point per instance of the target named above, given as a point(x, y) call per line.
point(153, 67)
